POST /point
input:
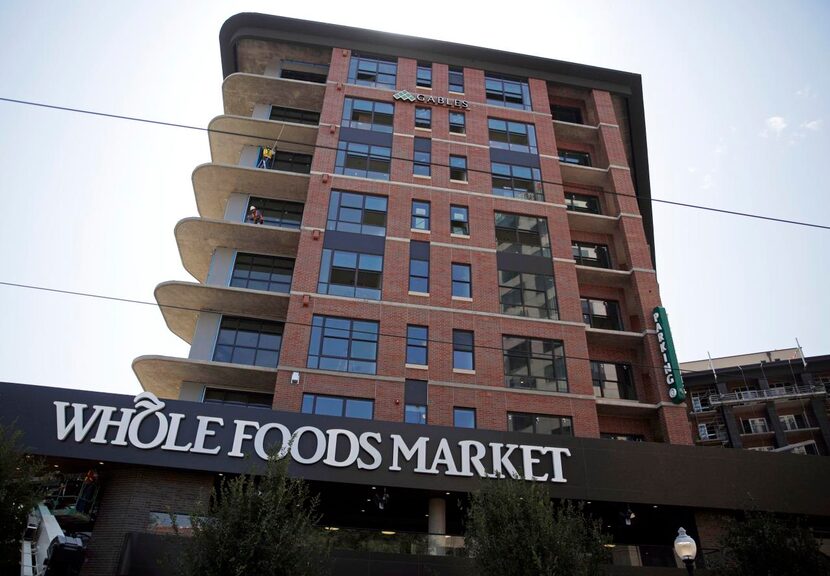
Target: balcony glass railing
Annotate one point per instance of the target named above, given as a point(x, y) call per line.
point(769, 394)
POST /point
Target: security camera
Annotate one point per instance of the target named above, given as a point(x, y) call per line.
point(295, 377)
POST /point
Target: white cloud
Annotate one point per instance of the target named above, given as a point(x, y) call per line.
point(805, 92)
point(773, 125)
point(814, 125)
point(708, 182)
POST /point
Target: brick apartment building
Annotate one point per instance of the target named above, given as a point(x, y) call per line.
point(419, 244)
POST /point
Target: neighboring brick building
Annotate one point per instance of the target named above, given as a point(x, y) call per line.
point(768, 401)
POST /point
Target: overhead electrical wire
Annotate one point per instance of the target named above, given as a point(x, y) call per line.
point(322, 147)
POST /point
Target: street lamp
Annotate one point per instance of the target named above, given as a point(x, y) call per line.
point(686, 550)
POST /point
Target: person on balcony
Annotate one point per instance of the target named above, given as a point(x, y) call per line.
point(266, 158)
point(255, 216)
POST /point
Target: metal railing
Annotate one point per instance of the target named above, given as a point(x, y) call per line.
point(768, 394)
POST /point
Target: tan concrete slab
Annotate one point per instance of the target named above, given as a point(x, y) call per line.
point(199, 237)
point(583, 175)
point(164, 375)
point(603, 276)
point(214, 183)
point(228, 134)
point(181, 303)
point(613, 338)
point(241, 92)
point(597, 223)
point(578, 133)
point(630, 408)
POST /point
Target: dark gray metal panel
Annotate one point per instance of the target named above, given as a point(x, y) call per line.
point(511, 157)
point(366, 137)
point(524, 263)
point(772, 414)
point(732, 429)
point(820, 415)
point(419, 250)
point(415, 392)
point(366, 243)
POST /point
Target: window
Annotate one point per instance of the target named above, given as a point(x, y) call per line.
point(574, 157)
point(276, 212)
point(417, 351)
point(351, 274)
point(808, 448)
point(258, 272)
point(462, 350)
point(306, 71)
point(518, 234)
point(456, 79)
point(459, 220)
point(567, 114)
point(507, 91)
point(422, 157)
point(337, 406)
point(539, 424)
point(515, 136)
point(711, 431)
point(357, 213)
point(590, 254)
point(248, 341)
point(420, 215)
point(424, 75)
point(458, 168)
point(458, 123)
point(295, 115)
point(516, 181)
point(423, 118)
point(415, 414)
point(238, 398)
point(794, 421)
point(622, 437)
point(527, 294)
point(419, 267)
point(534, 363)
point(343, 344)
point(368, 115)
point(582, 203)
point(754, 425)
point(369, 70)
point(462, 286)
point(603, 314)
point(291, 162)
point(363, 160)
point(612, 380)
point(464, 417)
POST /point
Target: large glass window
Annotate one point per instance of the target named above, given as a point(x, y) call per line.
point(274, 212)
point(420, 215)
point(604, 314)
point(507, 91)
point(368, 115)
point(463, 346)
point(582, 203)
point(754, 425)
point(519, 234)
point(419, 267)
point(566, 114)
point(368, 70)
point(516, 181)
point(464, 417)
point(459, 220)
point(462, 281)
point(338, 406)
point(456, 79)
point(423, 77)
point(534, 363)
point(590, 254)
point(415, 414)
point(422, 157)
point(353, 274)
point(343, 344)
point(259, 272)
point(458, 168)
point(238, 398)
point(527, 294)
point(540, 424)
point(458, 123)
point(286, 161)
point(423, 118)
point(612, 380)
point(574, 157)
point(357, 213)
point(248, 341)
point(516, 136)
point(417, 350)
point(363, 160)
point(295, 115)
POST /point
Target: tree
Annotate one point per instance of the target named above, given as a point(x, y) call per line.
point(762, 544)
point(513, 528)
point(263, 525)
point(20, 491)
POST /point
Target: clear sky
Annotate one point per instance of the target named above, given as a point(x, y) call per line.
point(737, 112)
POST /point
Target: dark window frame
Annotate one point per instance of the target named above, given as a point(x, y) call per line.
point(458, 225)
point(294, 115)
point(462, 280)
point(423, 118)
point(415, 414)
point(311, 400)
point(418, 271)
point(458, 168)
point(372, 219)
point(365, 279)
point(417, 344)
point(275, 212)
point(512, 135)
point(570, 114)
point(423, 75)
point(363, 160)
point(522, 356)
point(574, 157)
point(356, 333)
point(507, 91)
point(422, 157)
point(420, 218)
point(549, 310)
point(511, 181)
point(463, 350)
point(573, 202)
point(519, 238)
point(378, 120)
point(455, 79)
point(376, 71)
point(460, 410)
point(601, 260)
point(564, 424)
point(234, 349)
point(610, 321)
point(456, 126)
point(246, 264)
point(620, 387)
point(224, 395)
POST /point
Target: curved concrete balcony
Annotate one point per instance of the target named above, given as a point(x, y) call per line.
point(214, 183)
point(199, 237)
point(579, 133)
point(603, 276)
point(583, 175)
point(621, 407)
point(182, 302)
point(164, 375)
point(242, 91)
point(613, 338)
point(597, 223)
point(228, 135)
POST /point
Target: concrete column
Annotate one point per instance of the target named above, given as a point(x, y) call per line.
point(821, 420)
point(732, 429)
point(437, 526)
point(204, 338)
point(775, 424)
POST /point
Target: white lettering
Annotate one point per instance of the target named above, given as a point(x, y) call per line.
point(528, 461)
point(106, 420)
point(203, 432)
point(331, 455)
point(319, 451)
point(556, 456)
point(475, 460)
point(443, 457)
point(377, 459)
point(170, 443)
point(259, 440)
point(501, 462)
point(399, 448)
point(239, 436)
point(77, 423)
point(421, 97)
point(150, 406)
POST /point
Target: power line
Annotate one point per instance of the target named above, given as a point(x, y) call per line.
point(303, 324)
point(322, 147)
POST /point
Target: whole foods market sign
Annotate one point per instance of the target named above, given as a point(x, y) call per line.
point(671, 369)
point(407, 96)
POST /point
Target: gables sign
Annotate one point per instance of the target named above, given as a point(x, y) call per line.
point(407, 96)
point(671, 369)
